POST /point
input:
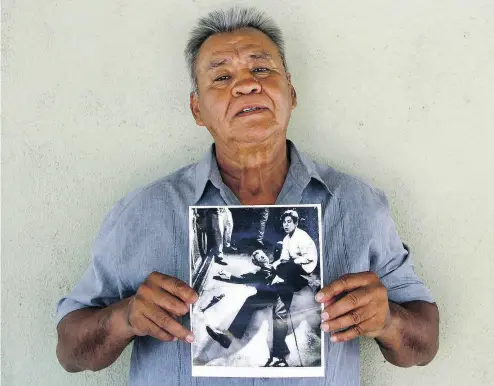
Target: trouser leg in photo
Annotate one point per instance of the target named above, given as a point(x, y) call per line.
point(280, 326)
point(264, 214)
point(228, 228)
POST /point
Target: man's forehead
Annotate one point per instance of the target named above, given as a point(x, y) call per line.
point(220, 58)
point(248, 50)
point(246, 43)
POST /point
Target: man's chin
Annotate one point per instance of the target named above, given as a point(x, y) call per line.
point(255, 133)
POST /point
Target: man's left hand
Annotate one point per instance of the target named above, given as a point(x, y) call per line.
point(363, 310)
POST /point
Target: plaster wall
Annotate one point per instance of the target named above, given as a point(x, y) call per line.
point(95, 104)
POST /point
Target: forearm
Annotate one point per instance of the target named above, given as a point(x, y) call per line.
point(304, 259)
point(411, 336)
point(307, 255)
point(284, 256)
point(92, 339)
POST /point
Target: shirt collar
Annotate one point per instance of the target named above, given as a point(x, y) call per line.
point(302, 169)
point(206, 170)
point(303, 165)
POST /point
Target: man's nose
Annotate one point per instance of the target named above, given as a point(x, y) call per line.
point(246, 85)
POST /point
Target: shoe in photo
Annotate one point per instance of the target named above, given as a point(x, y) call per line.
point(219, 336)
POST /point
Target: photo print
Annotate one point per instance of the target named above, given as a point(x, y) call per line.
point(256, 270)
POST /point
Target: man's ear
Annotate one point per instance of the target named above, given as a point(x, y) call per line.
point(194, 108)
point(292, 90)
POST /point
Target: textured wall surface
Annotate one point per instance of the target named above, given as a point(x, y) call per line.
point(95, 104)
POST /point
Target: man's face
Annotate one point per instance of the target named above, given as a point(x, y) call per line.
point(288, 224)
point(260, 259)
point(239, 70)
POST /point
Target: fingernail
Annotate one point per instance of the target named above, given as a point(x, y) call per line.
point(319, 297)
point(334, 339)
point(175, 338)
point(324, 316)
point(324, 327)
point(189, 338)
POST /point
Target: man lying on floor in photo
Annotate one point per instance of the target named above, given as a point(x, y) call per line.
point(276, 284)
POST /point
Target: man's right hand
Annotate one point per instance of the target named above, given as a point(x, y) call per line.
point(224, 274)
point(158, 302)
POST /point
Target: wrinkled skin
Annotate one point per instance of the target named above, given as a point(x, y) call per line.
point(234, 70)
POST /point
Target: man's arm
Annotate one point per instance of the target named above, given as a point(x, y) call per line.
point(307, 251)
point(92, 339)
point(245, 278)
point(285, 255)
point(303, 257)
point(412, 336)
point(407, 334)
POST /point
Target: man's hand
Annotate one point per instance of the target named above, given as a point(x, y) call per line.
point(93, 338)
point(224, 274)
point(159, 301)
point(362, 311)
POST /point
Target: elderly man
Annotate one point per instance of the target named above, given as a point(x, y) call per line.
point(135, 290)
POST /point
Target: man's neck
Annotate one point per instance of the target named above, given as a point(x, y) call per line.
point(254, 173)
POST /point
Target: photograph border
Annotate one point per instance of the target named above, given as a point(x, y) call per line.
point(260, 372)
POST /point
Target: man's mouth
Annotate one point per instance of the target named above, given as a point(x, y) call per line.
point(250, 111)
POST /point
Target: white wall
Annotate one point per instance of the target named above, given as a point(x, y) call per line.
point(95, 104)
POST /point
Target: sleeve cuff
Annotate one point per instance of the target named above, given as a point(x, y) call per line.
point(409, 292)
point(65, 307)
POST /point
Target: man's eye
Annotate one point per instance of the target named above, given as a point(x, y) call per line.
point(261, 69)
point(222, 78)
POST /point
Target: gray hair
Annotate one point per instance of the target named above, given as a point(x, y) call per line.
point(229, 21)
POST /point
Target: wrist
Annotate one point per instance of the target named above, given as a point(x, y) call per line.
point(119, 319)
point(390, 336)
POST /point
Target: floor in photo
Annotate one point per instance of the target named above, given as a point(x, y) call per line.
point(253, 349)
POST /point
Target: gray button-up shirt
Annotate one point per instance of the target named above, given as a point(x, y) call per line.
point(148, 231)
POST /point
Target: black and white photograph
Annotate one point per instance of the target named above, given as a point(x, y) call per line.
point(256, 270)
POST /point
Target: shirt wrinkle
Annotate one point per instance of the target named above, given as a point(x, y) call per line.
point(345, 249)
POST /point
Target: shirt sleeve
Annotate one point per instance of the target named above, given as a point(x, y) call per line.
point(285, 255)
point(101, 284)
point(308, 249)
point(373, 236)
